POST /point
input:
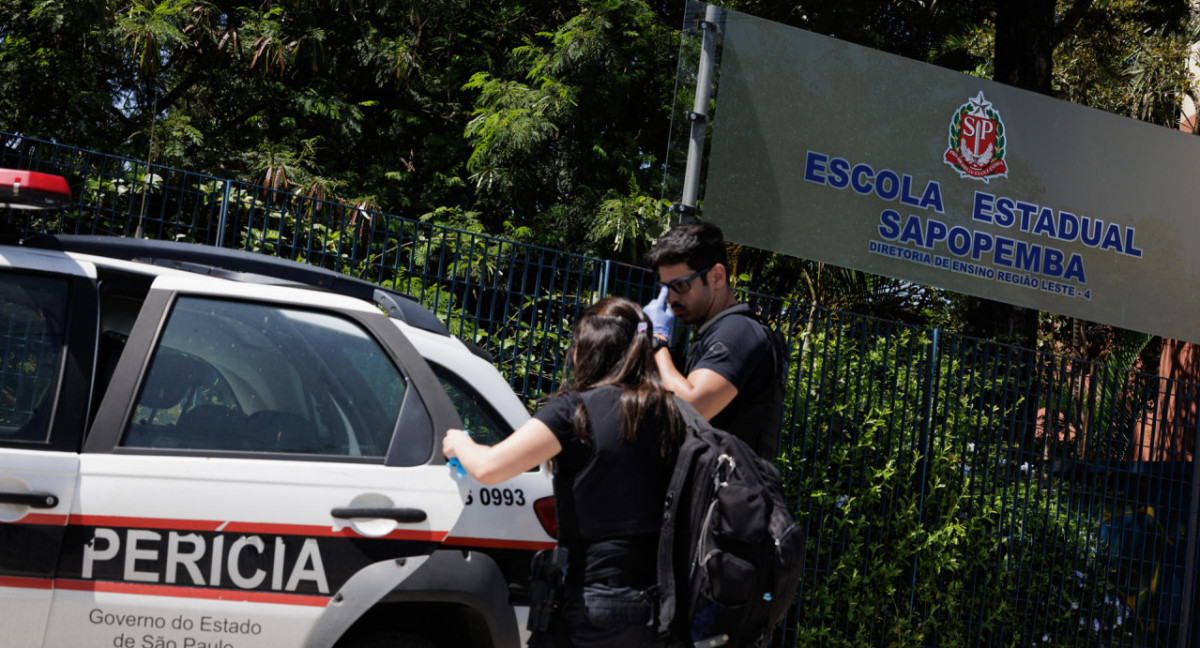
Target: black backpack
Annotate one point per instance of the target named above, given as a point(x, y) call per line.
point(730, 554)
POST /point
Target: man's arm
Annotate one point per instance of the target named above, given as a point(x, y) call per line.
point(706, 390)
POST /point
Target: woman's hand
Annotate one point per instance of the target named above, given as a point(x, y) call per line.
point(454, 440)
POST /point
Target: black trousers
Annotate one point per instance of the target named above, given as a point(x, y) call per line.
point(603, 615)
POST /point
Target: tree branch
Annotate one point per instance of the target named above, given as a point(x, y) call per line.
point(1070, 20)
point(172, 95)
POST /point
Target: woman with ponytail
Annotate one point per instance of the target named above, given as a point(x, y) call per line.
point(613, 433)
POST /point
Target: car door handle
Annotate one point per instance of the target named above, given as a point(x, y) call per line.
point(34, 500)
point(397, 514)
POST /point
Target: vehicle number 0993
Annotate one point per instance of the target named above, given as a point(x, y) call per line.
point(497, 497)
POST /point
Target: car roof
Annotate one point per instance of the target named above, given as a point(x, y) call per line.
point(242, 266)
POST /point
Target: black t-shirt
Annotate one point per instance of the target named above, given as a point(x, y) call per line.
point(736, 346)
point(609, 494)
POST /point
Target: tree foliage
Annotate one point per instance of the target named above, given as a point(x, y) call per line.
point(365, 98)
point(521, 113)
point(580, 113)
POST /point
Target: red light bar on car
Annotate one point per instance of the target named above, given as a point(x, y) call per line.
point(33, 190)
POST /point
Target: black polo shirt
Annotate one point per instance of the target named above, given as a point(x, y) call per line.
point(735, 345)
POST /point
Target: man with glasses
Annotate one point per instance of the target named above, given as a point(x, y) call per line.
point(735, 367)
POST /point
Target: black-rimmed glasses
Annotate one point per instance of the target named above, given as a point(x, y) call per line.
point(681, 285)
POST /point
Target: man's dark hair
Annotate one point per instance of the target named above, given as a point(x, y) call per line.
point(699, 245)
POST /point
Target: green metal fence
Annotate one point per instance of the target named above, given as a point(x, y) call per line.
point(956, 492)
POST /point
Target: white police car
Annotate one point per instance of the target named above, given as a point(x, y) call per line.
point(206, 448)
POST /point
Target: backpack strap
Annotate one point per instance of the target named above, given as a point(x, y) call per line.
point(688, 450)
point(692, 418)
point(779, 346)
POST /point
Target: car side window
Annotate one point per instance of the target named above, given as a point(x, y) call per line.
point(259, 378)
point(33, 312)
point(478, 418)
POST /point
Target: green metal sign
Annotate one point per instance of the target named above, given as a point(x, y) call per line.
point(837, 153)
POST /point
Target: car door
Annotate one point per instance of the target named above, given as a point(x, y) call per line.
point(47, 332)
point(251, 455)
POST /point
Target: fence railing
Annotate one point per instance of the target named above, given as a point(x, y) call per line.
point(956, 491)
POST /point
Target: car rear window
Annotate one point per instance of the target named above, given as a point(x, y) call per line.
point(33, 311)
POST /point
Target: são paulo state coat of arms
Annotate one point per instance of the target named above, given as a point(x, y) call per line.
point(977, 141)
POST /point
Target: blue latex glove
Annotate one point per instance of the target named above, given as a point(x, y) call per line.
point(662, 318)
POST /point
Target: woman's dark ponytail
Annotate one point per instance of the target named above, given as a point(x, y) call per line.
point(612, 346)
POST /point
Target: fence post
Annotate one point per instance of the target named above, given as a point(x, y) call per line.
point(926, 426)
point(604, 275)
point(224, 213)
point(1189, 561)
